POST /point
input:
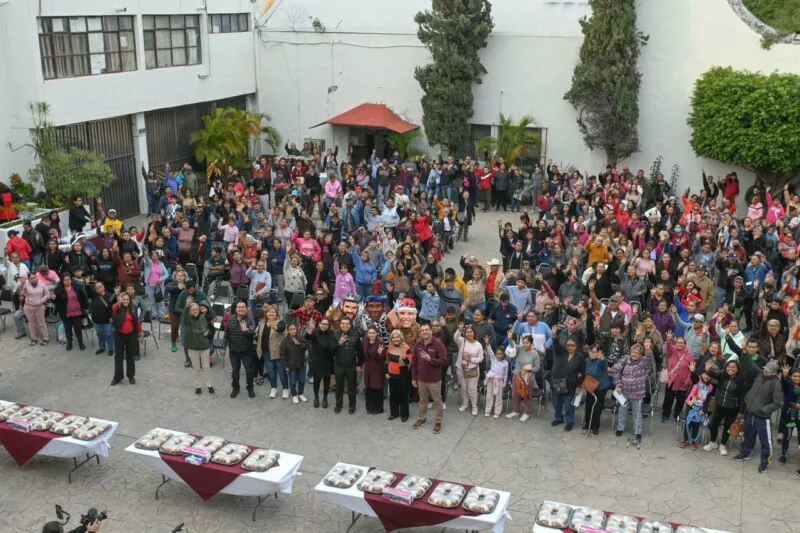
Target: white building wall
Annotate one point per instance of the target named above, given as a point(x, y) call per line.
point(369, 50)
point(228, 69)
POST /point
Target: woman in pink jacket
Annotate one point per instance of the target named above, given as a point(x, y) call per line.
point(35, 294)
point(679, 377)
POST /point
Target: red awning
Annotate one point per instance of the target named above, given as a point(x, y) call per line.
point(371, 116)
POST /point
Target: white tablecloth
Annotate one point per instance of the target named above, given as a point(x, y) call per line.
point(542, 529)
point(71, 447)
point(277, 479)
point(353, 499)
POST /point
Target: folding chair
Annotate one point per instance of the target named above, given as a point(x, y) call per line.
point(544, 269)
point(298, 299)
point(222, 289)
point(147, 317)
point(242, 293)
point(191, 271)
point(533, 293)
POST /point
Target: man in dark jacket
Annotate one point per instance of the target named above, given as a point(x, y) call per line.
point(764, 398)
point(239, 333)
point(348, 357)
point(78, 216)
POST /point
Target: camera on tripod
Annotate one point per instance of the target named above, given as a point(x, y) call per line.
point(92, 516)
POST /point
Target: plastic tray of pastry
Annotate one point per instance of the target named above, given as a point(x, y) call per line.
point(212, 444)
point(153, 439)
point(261, 460)
point(68, 424)
point(91, 430)
point(417, 486)
point(377, 480)
point(690, 529)
point(655, 526)
point(554, 515)
point(448, 495)
point(480, 500)
point(176, 444)
point(585, 516)
point(28, 413)
point(45, 421)
point(343, 476)
point(620, 523)
point(231, 454)
point(7, 409)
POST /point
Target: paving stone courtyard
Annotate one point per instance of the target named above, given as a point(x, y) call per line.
point(532, 460)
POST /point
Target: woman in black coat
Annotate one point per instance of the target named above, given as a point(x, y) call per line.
point(323, 344)
point(71, 304)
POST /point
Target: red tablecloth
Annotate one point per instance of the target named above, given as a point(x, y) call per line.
point(24, 446)
point(207, 479)
point(396, 516)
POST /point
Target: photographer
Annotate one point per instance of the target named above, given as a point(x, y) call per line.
point(56, 527)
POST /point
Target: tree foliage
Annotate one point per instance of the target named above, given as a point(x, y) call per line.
point(748, 119)
point(403, 143)
point(454, 31)
point(605, 83)
point(227, 133)
point(64, 174)
point(511, 139)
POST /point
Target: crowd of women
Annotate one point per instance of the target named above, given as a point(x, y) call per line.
point(611, 292)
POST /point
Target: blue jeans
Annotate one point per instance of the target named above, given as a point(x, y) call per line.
point(274, 370)
point(561, 403)
point(105, 336)
point(364, 290)
point(297, 381)
point(721, 294)
point(446, 191)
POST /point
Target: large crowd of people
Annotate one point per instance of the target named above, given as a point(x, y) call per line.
point(612, 291)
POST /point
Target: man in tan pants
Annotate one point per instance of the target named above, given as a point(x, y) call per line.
point(430, 356)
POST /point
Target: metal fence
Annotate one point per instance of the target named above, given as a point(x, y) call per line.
point(113, 138)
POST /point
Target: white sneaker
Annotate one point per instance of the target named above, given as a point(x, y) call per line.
point(511, 415)
point(710, 447)
point(295, 400)
point(285, 394)
point(430, 405)
point(723, 450)
point(524, 418)
point(487, 415)
point(462, 408)
point(273, 393)
point(474, 411)
point(303, 398)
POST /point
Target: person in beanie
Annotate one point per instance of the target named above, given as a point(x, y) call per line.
point(764, 398)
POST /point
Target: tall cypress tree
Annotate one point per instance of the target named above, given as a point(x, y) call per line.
point(453, 31)
point(605, 83)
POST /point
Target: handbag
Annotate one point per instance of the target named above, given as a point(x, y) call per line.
point(590, 384)
point(559, 385)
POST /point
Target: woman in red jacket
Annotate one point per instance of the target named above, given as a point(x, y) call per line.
point(422, 227)
point(19, 245)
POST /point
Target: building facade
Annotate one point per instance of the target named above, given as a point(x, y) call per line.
point(129, 79)
point(132, 78)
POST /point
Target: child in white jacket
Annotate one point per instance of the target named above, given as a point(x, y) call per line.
point(495, 382)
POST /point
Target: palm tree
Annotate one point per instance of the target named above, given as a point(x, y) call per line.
point(402, 143)
point(511, 140)
point(227, 133)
